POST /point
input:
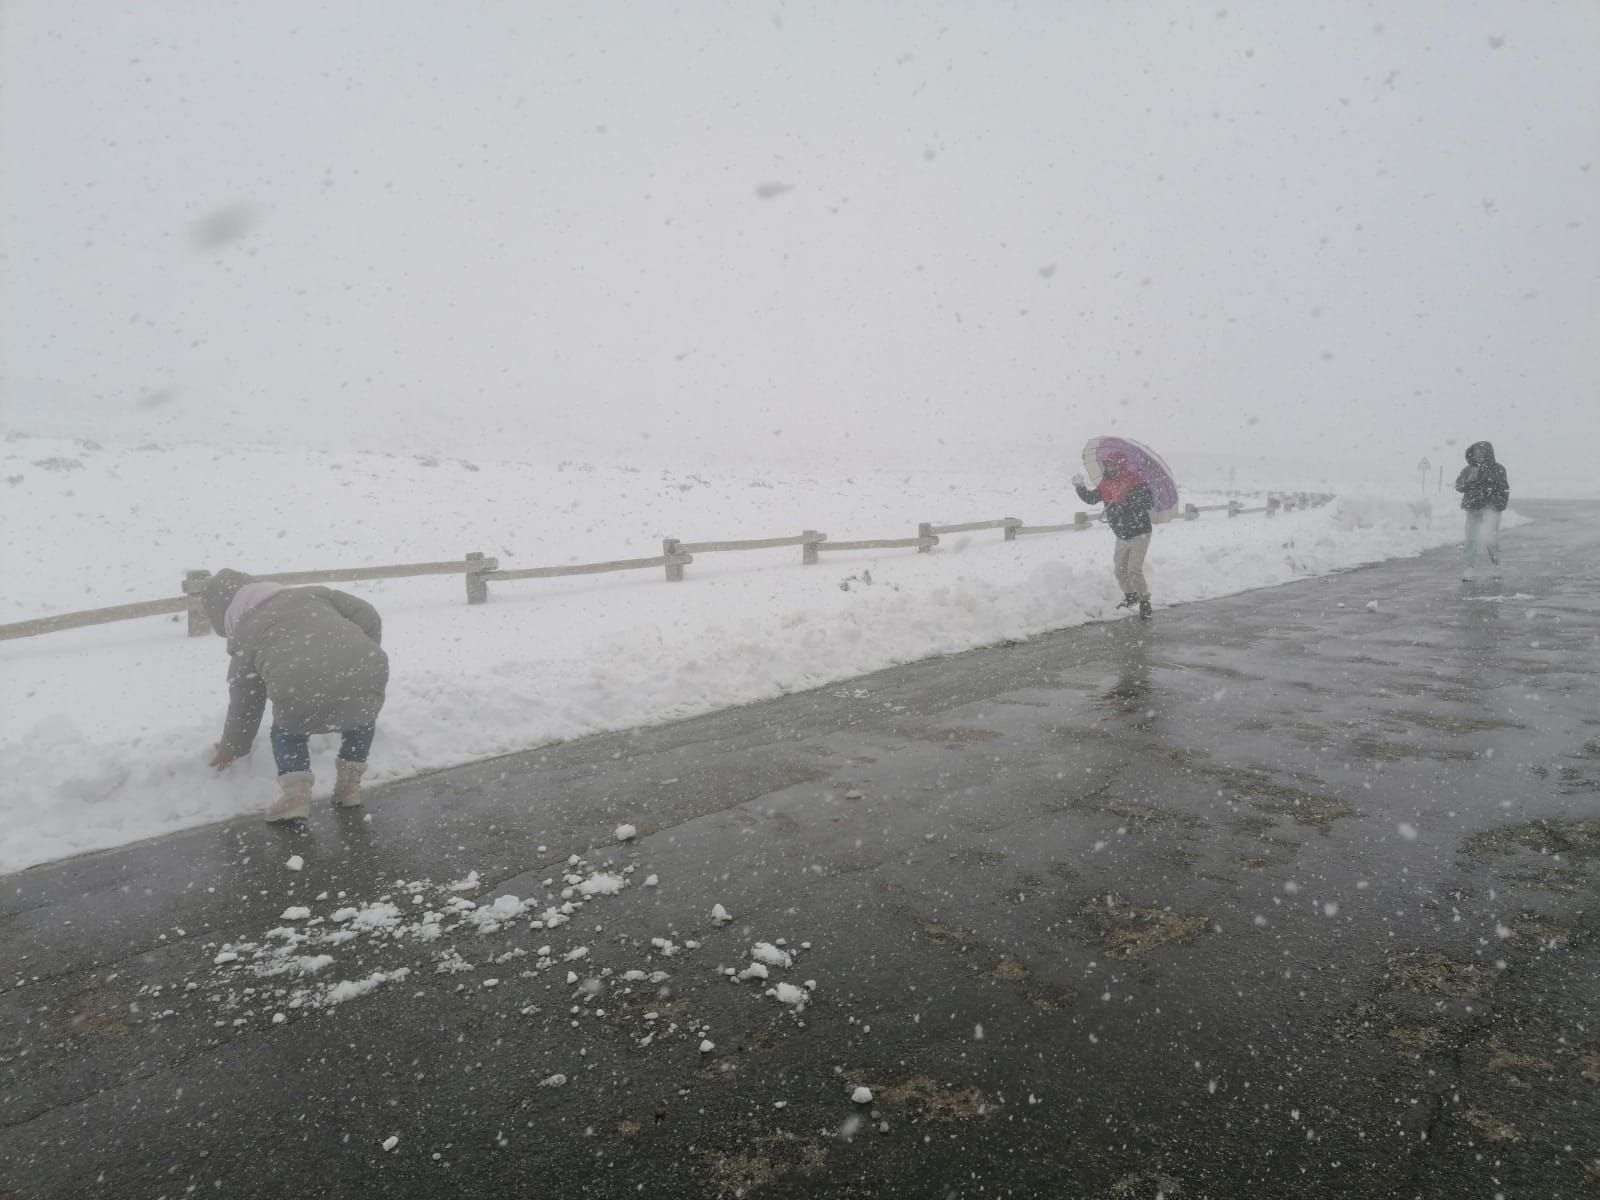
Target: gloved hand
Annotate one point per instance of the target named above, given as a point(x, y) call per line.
point(1077, 480)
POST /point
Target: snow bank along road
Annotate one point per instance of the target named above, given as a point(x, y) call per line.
point(1288, 893)
point(562, 659)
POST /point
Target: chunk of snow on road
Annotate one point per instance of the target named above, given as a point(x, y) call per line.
point(349, 989)
point(390, 1142)
point(226, 956)
point(464, 885)
point(602, 884)
point(301, 964)
point(768, 953)
point(754, 971)
point(790, 995)
point(707, 1046)
point(382, 914)
point(551, 918)
point(450, 962)
point(553, 1081)
point(1407, 831)
point(720, 914)
point(862, 1095)
point(652, 881)
point(625, 833)
point(295, 912)
point(295, 862)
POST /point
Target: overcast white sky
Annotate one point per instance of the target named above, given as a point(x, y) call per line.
point(858, 231)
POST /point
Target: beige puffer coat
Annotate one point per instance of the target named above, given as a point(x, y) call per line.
point(313, 651)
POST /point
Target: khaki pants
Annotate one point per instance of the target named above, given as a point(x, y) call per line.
point(1129, 565)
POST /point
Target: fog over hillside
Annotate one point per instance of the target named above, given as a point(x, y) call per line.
point(832, 235)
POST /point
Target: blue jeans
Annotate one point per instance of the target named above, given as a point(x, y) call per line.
point(292, 751)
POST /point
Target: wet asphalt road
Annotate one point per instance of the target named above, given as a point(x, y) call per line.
point(1271, 896)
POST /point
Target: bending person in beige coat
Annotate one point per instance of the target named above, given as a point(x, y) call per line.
point(315, 653)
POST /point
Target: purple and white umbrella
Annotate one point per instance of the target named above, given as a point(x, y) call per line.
point(1142, 461)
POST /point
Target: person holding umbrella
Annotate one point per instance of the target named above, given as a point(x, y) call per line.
point(1129, 501)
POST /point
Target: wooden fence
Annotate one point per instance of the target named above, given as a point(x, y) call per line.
point(478, 571)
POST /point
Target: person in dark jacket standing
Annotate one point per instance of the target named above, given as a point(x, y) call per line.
point(1128, 502)
point(316, 654)
point(1485, 492)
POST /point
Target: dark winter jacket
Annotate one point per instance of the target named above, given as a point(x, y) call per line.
point(1129, 517)
point(1483, 485)
point(313, 651)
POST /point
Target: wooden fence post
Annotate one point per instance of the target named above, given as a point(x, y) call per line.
point(1191, 512)
point(925, 530)
point(1080, 520)
point(808, 549)
point(1233, 508)
point(477, 585)
point(669, 548)
point(194, 583)
point(1012, 524)
point(1273, 504)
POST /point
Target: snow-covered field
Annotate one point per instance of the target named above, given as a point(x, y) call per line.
point(105, 731)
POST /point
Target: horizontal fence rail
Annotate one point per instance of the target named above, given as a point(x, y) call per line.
point(921, 543)
point(357, 574)
point(808, 542)
point(93, 616)
point(473, 567)
point(1080, 522)
point(1006, 523)
point(621, 564)
point(478, 571)
point(805, 539)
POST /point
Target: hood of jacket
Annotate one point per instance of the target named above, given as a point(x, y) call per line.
point(221, 588)
point(1117, 483)
point(1487, 447)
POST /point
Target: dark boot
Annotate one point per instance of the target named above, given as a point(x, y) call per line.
point(1129, 599)
point(1144, 608)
